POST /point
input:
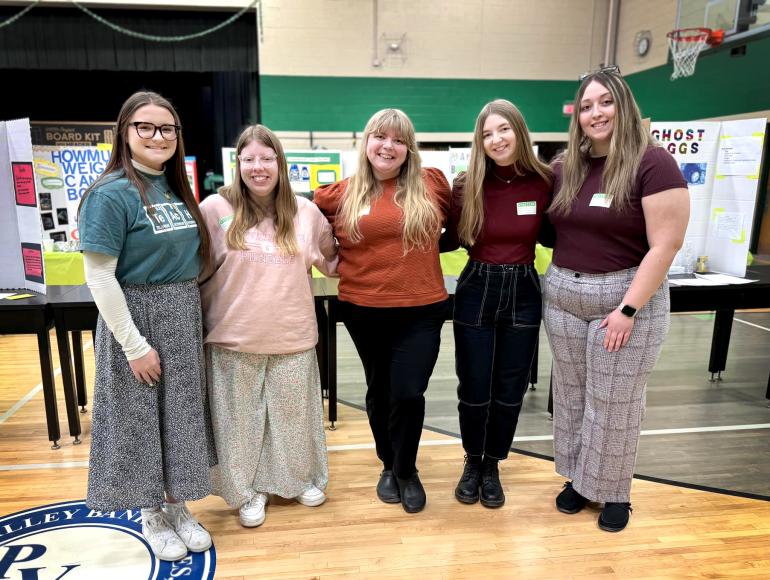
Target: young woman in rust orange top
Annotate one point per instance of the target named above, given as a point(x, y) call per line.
point(388, 219)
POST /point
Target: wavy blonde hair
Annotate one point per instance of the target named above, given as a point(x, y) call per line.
point(247, 212)
point(421, 221)
point(472, 181)
point(629, 141)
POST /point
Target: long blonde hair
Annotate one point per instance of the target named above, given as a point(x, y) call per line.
point(472, 181)
point(629, 141)
point(247, 212)
point(421, 222)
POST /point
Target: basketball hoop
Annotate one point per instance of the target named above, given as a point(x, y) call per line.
point(685, 45)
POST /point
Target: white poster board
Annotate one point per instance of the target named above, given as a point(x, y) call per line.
point(21, 249)
point(694, 145)
point(731, 216)
point(63, 173)
point(720, 162)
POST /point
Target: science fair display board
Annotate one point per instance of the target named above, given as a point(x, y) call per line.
point(64, 173)
point(308, 169)
point(21, 250)
point(720, 162)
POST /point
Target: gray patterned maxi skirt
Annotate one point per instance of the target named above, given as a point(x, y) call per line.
point(599, 396)
point(267, 414)
point(146, 439)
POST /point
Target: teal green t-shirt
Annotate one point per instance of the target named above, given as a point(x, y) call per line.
point(151, 249)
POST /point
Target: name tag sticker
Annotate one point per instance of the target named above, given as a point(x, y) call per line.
point(526, 208)
point(600, 200)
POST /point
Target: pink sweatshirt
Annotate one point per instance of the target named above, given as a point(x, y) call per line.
point(258, 300)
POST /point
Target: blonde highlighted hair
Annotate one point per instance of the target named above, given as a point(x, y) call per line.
point(472, 181)
point(628, 143)
point(421, 221)
point(247, 212)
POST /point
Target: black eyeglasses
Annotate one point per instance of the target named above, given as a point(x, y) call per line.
point(614, 69)
point(147, 130)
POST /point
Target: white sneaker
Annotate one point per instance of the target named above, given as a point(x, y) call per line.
point(252, 513)
point(165, 544)
point(311, 497)
point(194, 535)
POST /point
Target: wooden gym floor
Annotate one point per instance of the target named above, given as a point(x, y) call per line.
point(674, 532)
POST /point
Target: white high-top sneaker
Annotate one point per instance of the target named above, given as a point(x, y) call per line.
point(165, 544)
point(194, 536)
point(311, 497)
point(252, 513)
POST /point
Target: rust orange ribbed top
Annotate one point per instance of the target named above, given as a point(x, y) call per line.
point(374, 271)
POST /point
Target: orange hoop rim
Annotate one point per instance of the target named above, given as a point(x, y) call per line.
point(712, 37)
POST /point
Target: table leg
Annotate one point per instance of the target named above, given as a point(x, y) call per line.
point(533, 366)
point(331, 354)
point(80, 380)
point(70, 396)
point(49, 389)
point(720, 342)
point(322, 320)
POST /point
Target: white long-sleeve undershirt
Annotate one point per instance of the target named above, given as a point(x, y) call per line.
point(111, 302)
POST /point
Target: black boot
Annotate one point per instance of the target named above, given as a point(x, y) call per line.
point(387, 487)
point(467, 490)
point(614, 516)
point(412, 493)
point(492, 495)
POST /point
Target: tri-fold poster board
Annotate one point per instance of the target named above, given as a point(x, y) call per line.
point(721, 163)
point(21, 247)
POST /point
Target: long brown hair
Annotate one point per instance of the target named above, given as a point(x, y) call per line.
point(472, 181)
point(629, 141)
point(120, 164)
point(421, 221)
point(247, 212)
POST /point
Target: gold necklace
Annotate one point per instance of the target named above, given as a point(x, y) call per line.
point(508, 181)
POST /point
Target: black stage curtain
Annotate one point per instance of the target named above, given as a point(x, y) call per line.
point(67, 39)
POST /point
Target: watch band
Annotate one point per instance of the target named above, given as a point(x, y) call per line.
point(627, 310)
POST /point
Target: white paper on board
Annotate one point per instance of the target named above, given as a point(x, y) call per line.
point(729, 225)
point(740, 155)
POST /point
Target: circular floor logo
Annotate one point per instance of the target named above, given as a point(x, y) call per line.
point(70, 541)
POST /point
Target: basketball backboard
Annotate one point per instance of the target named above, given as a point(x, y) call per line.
point(735, 17)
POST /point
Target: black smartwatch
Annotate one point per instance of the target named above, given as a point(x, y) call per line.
point(627, 310)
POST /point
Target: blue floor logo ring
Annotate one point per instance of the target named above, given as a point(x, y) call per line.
point(72, 542)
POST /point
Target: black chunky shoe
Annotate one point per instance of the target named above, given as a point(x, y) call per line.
point(569, 501)
point(492, 495)
point(412, 493)
point(614, 516)
point(467, 490)
point(387, 487)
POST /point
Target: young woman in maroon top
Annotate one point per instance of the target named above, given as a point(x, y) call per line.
point(497, 209)
point(620, 212)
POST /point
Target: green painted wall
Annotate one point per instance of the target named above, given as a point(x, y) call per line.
point(434, 105)
point(722, 85)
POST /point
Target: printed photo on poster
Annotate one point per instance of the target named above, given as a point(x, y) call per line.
point(61, 216)
point(58, 236)
point(32, 255)
point(694, 173)
point(24, 183)
point(47, 220)
point(45, 201)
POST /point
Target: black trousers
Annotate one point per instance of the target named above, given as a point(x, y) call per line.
point(398, 348)
point(496, 322)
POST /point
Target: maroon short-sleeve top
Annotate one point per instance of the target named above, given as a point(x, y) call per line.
point(594, 238)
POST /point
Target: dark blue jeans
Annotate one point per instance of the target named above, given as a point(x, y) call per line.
point(496, 323)
point(398, 348)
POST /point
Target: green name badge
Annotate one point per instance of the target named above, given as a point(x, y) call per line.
point(526, 208)
point(600, 200)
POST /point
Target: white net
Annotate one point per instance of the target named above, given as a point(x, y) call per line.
point(685, 46)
